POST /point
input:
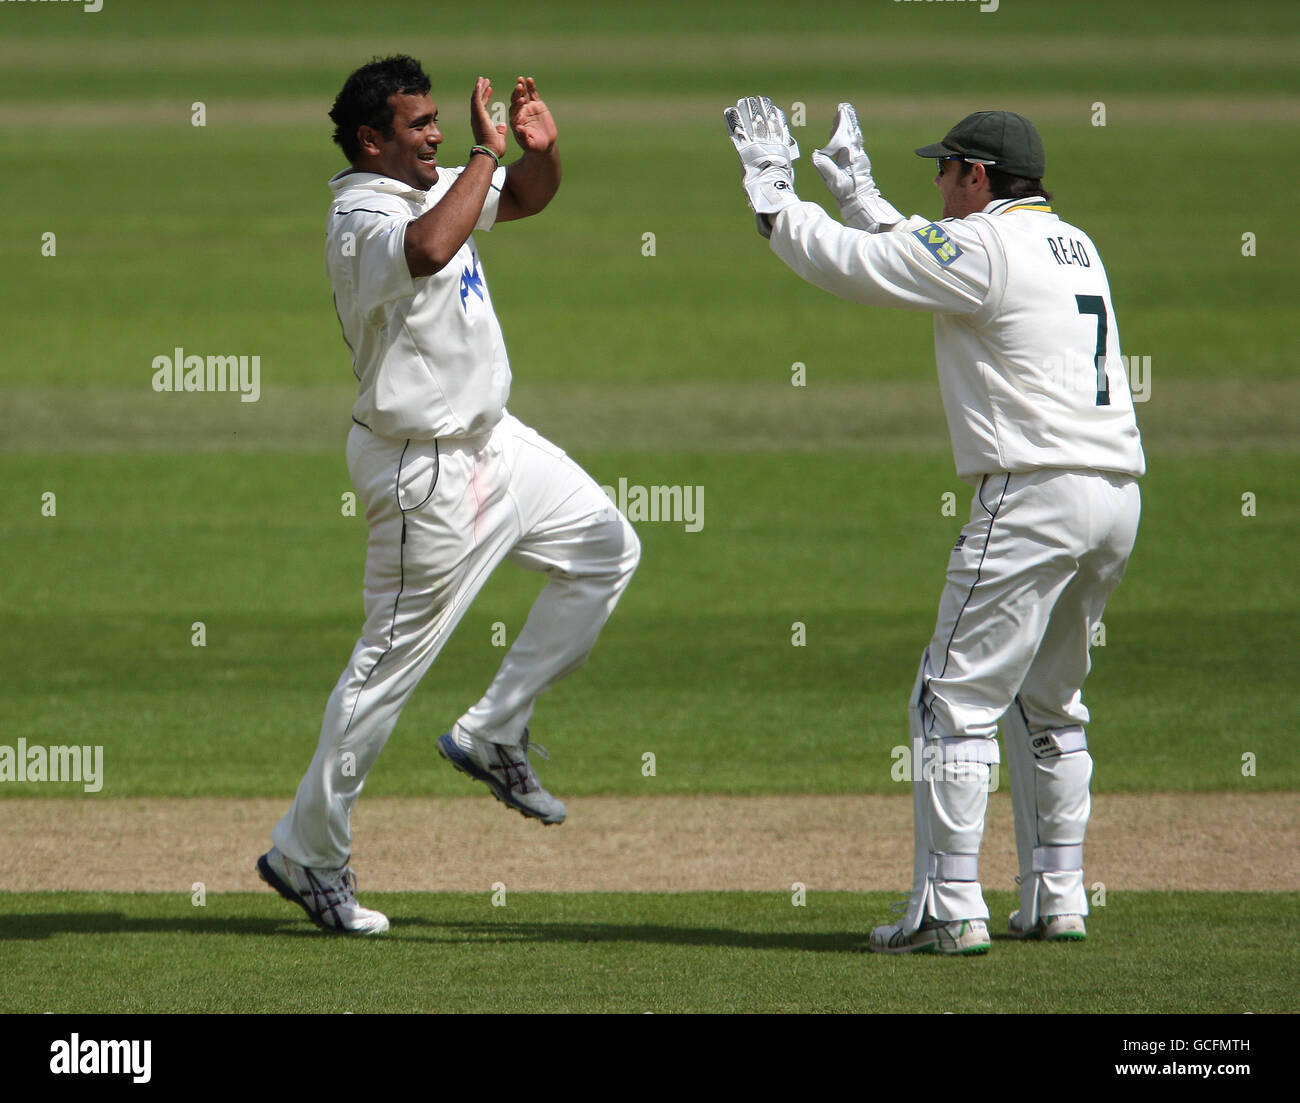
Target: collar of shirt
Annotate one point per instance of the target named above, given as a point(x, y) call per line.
point(373, 181)
point(1027, 203)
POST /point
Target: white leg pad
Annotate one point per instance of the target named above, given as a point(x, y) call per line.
point(1050, 775)
point(957, 799)
point(949, 799)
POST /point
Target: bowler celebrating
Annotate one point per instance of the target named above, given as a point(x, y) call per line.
point(452, 483)
point(1042, 427)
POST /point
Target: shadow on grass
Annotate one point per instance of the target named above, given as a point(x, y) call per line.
point(658, 934)
point(47, 924)
point(43, 925)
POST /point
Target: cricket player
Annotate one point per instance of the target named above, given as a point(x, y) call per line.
point(452, 483)
point(1042, 426)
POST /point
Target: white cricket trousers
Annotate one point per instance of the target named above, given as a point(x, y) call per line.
point(1026, 585)
point(442, 516)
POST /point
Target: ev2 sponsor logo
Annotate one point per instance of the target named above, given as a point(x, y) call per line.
point(941, 247)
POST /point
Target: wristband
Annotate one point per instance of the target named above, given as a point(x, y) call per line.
point(484, 149)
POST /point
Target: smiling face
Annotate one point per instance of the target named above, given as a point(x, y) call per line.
point(411, 153)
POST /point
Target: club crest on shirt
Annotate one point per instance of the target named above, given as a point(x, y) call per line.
point(934, 239)
point(470, 280)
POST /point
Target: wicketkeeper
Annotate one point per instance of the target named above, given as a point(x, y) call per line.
point(1042, 427)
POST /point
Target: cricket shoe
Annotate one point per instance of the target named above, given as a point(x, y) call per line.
point(506, 770)
point(935, 936)
point(329, 897)
point(1049, 928)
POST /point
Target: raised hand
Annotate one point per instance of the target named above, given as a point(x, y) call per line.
point(843, 162)
point(531, 121)
point(480, 119)
point(845, 167)
point(762, 138)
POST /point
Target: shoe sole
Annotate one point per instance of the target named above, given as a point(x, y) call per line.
point(1037, 935)
point(467, 766)
point(267, 874)
point(969, 951)
point(1072, 936)
point(932, 948)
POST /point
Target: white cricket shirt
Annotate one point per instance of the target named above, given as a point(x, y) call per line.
point(1023, 317)
point(427, 351)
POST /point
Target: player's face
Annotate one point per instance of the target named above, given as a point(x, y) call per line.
point(962, 195)
point(946, 182)
point(411, 154)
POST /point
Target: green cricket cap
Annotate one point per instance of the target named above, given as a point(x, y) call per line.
point(1002, 139)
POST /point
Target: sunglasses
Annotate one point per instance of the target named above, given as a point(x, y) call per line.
point(962, 157)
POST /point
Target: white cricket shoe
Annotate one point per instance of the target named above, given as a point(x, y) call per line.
point(506, 770)
point(935, 936)
point(327, 896)
point(1049, 928)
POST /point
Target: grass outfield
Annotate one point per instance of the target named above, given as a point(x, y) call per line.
point(1179, 953)
point(210, 237)
point(850, 545)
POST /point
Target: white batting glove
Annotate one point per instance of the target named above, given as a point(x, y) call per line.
point(759, 132)
point(846, 168)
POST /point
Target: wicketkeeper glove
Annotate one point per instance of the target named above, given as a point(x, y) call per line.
point(759, 132)
point(846, 168)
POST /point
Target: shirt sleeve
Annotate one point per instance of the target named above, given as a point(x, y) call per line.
point(487, 217)
point(368, 255)
point(943, 268)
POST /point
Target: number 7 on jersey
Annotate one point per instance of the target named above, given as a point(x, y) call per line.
point(1095, 304)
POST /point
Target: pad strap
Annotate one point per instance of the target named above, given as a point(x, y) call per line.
point(954, 867)
point(969, 748)
point(1058, 859)
point(1057, 741)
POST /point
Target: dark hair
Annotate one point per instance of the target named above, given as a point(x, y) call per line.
point(1005, 186)
point(364, 98)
